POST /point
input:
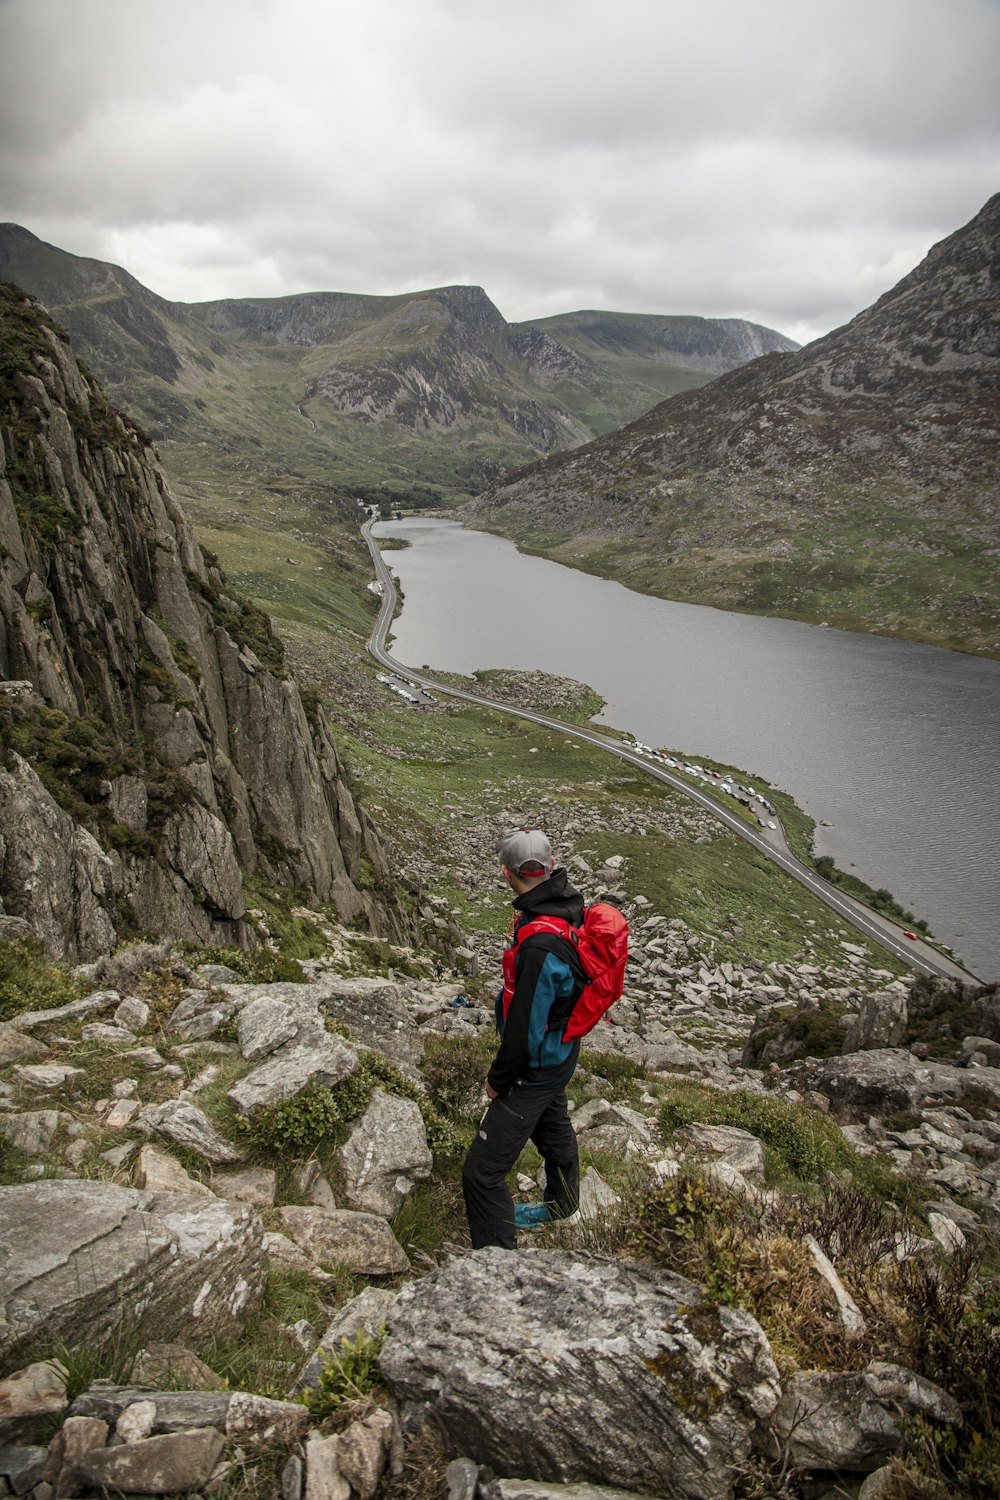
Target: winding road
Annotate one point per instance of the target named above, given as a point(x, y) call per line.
point(919, 955)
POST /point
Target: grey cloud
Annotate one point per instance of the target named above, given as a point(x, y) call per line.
point(770, 160)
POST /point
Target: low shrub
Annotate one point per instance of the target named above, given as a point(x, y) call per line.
point(454, 1069)
point(318, 1115)
point(350, 1374)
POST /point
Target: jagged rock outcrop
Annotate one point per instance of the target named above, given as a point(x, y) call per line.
point(174, 752)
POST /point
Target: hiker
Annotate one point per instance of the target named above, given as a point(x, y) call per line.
point(526, 1084)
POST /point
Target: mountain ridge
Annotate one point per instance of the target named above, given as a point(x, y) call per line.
point(853, 481)
point(514, 390)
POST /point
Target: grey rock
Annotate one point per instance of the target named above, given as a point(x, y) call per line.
point(880, 1021)
point(181, 1121)
point(31, 1133)
point(85, 1006)
point(324, 1480)
point(45, 1075)
point(106, 1035)
point(16, 1047)
point(363, 1451)
point(23, 1467)
point(259, 1421)
point(596, 1197)
point(203, 852)
point(129, 802)
point(285, 1253)
point(461, 1478)
point(73, 1253)
point(264, 1026)
point(309, 1182)
point(176, 1411)
point(292, 1476)
point(375, 1014)
point(365, 1313)
point(385, 1155)
point(53, 873)
point(850, 1420)
point(737, 1148)
point(886, 1081)
point(132, 1014)
point(337, 1237)
point(509, 1348)
point(136, 1422)
point(175, 1463)
point(199, 1014)
point(256, 1185)
point(881, 1484)
point(29, 1399)
point(159, 1172)
point(322, 1059)
point(77, 1437)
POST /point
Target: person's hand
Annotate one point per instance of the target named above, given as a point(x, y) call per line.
point(491, 1092)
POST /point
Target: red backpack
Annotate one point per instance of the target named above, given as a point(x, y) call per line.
point(601, 944)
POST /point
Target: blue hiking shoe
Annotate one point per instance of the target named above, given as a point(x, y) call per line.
point(532, 1215)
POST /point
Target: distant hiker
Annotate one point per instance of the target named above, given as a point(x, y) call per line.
point(526, 1083)
point(439, 968)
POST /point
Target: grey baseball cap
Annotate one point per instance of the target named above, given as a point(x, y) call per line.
point(526, 852)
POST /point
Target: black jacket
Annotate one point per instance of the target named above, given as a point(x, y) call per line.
point(549, 979)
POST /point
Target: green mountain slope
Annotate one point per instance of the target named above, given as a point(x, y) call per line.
point(271, 414)
point(645, 357)
point(853, 482)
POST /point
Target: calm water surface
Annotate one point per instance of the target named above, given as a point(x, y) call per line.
point(896, 745)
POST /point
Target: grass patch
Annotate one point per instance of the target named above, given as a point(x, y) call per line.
point(31, 981)
point(266, 1358)
point(800, 1145)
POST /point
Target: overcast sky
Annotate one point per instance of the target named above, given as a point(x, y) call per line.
point(779, 160)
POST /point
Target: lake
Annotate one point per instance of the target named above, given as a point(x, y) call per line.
point(893, 744)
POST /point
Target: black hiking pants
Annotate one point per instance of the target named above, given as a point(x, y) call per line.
point(530, 1112)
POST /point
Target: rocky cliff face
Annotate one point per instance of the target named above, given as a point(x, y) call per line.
point(153, 747)
point(853, 481)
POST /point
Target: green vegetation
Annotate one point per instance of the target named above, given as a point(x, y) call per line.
point(350, 1374)
point(315, 1117)
point(800, 1145)
point(74, 756)
point(267, 1356)
point(30, 981)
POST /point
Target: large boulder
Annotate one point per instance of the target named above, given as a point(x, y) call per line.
point(311, 1058)
point(75, 1255)
point(338, 1237)
point(563, 1366)
point(385, 1154)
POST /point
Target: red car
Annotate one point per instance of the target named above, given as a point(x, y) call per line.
point(909, 934)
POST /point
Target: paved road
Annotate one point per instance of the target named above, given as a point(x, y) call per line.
point(918, 955)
